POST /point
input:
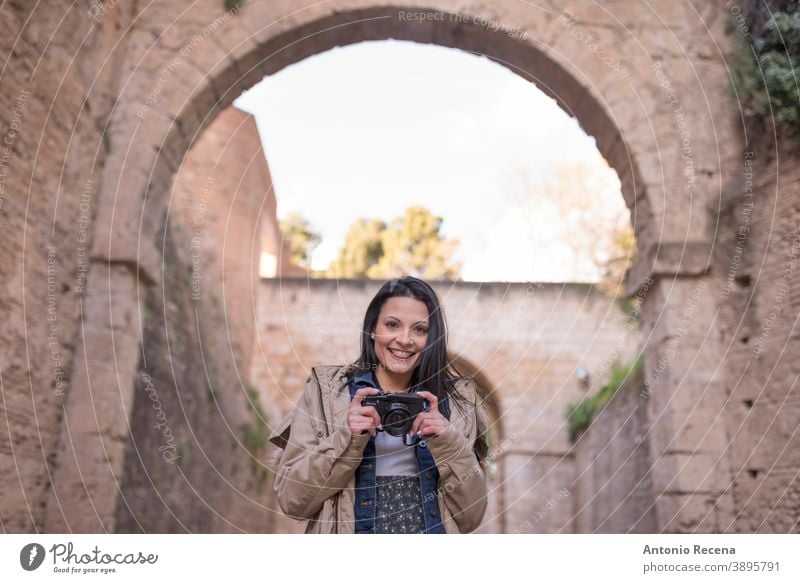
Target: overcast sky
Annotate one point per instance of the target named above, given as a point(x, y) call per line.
point(370, 129)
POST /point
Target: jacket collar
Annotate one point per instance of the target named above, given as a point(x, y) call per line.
point(334, 376)
point(366, 378)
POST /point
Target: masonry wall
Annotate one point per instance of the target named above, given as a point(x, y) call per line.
point(757, 272)
point(221, 197)
point(51, 157)
point(192, 458)
point(613, 489)
point(194, 461)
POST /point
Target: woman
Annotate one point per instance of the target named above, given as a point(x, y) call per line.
point(343, 473)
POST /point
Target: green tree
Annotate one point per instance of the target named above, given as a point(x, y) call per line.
point(413, 245)
point(302, 239)
point(362, 249)
point(409, 245)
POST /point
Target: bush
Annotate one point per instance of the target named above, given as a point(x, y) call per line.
point(765, 76)
point(579, 416)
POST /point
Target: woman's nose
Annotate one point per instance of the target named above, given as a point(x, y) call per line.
point(405, 337)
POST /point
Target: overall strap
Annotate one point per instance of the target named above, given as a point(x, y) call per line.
point(366, 490)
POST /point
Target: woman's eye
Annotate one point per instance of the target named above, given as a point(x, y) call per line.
point(422, 330)
point(392, 324)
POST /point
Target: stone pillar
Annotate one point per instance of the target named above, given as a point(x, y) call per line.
point(94, 433)
point(124, 260)
point(691, 472)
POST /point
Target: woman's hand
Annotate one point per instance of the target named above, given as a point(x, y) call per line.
point(363, 418)
point(432, 422)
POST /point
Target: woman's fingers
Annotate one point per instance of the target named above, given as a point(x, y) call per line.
point(433, 400)
point(362, 417)
point(415, 427)
point(359, 395)
point(373, 413)
point(369, 412)
point(428, 423)
point(359, 422)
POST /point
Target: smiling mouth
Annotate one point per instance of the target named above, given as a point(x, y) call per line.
point(401, 354)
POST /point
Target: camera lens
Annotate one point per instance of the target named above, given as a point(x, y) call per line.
point(397, 422)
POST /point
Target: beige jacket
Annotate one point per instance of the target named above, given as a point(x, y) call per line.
point(315, 477)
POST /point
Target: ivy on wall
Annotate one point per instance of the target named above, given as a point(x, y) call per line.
point(765, 76)
point(579, 416)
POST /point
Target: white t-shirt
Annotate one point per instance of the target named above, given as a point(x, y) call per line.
point(393, 457)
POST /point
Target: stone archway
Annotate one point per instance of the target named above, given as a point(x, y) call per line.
point(648, 106)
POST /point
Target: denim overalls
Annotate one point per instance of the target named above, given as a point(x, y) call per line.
point(364, 505)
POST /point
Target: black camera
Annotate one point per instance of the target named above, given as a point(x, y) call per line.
point(397, 410)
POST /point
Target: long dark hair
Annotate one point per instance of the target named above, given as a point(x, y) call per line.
point(436, 371)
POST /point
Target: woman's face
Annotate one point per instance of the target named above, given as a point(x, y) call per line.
point(401, 333)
